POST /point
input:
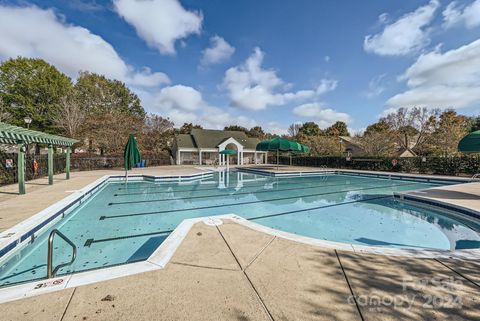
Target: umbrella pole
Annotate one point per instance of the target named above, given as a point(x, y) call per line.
point(278, 164)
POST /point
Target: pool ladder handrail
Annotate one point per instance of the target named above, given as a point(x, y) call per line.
point(475, 177)
point(52, 272)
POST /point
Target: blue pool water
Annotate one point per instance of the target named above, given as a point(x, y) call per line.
point(125, 223)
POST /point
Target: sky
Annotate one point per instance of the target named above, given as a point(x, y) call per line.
point(269, 63)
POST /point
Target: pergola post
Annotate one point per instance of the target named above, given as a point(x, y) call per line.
point(67, 163)
point(50, 164)
point(21, 168)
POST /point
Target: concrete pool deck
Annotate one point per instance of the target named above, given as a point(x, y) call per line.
point(232, 272)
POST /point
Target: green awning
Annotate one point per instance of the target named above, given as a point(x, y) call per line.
point(228, 152)
point(10, 134)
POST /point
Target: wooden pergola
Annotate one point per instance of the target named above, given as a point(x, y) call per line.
point(14, 135)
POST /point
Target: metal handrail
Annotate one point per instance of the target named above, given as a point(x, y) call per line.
point(51, 273)
point(475, 177)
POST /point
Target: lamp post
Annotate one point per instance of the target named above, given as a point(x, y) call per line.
point(28, 121)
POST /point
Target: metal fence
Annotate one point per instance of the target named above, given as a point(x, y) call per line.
point(79, 162)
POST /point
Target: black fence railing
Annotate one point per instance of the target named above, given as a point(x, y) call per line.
point(464, 165)
point(79, 162)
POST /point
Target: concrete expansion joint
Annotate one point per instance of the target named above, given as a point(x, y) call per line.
point(349, 286)
point(204, 266)
point(458, 273)
point(262, 303)
point(68, 304)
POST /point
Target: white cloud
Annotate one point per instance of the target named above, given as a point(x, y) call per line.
point(160, 22)
point(37, 33)
point(274, 127)
point(324, 117)
point(404, 36)
point(327, 59)
point(376, 86)
point(218, 52)
point(184, 104)
point(443, 80)
point(254, 88)
point(179, 97)
point(326, 85)
point(465, 15)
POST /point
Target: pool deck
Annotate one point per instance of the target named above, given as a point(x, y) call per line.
point(233, 272)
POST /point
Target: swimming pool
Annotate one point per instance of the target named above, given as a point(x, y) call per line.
point(124, 223)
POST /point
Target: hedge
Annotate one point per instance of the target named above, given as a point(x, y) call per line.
point(464, 165)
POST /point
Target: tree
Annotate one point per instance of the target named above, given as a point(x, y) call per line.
point(4, 115)
point(294, 129)
point(449, 129)
point(321, 145)
point(70, 116)
point(187, 128)
point(34, 88)
point(379, 127)
point(337, 129)
point(310, 129)
point(109, 105)
point(256, 132)
point(474, 124)
point(378, 143)
point(99, 94)
point(111, 131)
point(411, 126)
point(236, 128)
point(157, 135)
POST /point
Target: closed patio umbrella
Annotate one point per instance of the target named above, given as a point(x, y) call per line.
point(470, 143)
point(131, 154)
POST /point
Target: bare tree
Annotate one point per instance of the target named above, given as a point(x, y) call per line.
point(294, 129)
point(411, 126)
point(70, 116)
point(378, 143)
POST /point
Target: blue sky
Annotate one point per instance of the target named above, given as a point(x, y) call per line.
point(269, 62)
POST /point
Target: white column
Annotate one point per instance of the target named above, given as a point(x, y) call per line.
point(239, 155)
point(255, 158)
point(200, 157)
point(178, 157)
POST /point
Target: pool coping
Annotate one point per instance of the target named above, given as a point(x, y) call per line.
point(162, 255)
point(390, 175)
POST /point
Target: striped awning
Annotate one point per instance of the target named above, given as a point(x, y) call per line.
point(10, 134)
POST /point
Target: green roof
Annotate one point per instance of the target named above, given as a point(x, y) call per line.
point(211, 138)
point(10, 134)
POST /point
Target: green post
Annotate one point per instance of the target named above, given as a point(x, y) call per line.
point(21, 169)
point(67, 163)
point(50, 164)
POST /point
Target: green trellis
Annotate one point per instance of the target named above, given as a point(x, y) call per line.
point(14, 135)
